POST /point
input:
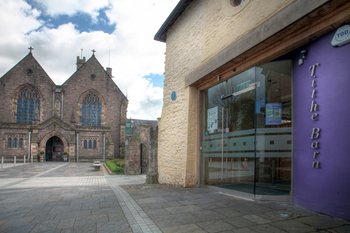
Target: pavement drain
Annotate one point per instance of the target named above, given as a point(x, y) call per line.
point(283, 215)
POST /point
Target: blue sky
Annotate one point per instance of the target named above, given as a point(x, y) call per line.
point(84, 22)
point(121, 32)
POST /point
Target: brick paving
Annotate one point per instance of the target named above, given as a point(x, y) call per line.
point(72, 197)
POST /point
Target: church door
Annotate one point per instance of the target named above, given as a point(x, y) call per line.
point(54, 149)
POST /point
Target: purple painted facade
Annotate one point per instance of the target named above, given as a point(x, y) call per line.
point(325, 189)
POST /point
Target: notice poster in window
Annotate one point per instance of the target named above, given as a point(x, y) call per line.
point(212, 119)
point(273, 115)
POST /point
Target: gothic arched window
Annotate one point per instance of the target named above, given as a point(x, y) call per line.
point(91, 112)
point(27, 100)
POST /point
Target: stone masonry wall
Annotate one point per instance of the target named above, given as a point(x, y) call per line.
point(204, 29)
point(143, 141)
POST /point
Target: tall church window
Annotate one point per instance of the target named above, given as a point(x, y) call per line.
point(88, 122)
point(99, 113)
point(9, 142)
point(90, 144)
point(31, 111)
point(28, 99)
point(25, 111)
point(15, 141)
point(94, 145)
point(94, 114)
point(91, 110)
point(85, 144)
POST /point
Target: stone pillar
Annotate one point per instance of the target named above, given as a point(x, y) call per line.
point(72, 144)
point(152, 176)
point(34, 151)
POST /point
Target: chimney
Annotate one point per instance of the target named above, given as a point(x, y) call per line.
point(109, 71)
point(80, 62)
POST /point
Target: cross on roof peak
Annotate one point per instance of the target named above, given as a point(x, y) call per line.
point(31, 48)
point(93, 52)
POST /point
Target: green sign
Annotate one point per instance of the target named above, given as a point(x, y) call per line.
point(243, 86)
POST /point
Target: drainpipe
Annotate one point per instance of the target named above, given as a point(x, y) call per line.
point(29, 155)
point(62, 107)
point(53, 105)
point(77, 147)
point(104, 148)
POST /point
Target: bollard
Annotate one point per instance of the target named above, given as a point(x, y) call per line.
point(24, 159)
point(2, 162)
point(14, 161)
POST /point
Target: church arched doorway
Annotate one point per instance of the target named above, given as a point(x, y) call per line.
point(54, 149)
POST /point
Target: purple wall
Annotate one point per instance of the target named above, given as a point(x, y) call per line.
point(325, 189)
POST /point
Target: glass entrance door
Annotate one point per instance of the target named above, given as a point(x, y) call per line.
point(237, 132)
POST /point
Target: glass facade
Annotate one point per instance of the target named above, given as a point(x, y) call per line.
point(246, 131)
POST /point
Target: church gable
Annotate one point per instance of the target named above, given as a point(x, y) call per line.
point(28, 70)
point(54, 121)
point(92, 74)
point(24, 86)
point(92, 85)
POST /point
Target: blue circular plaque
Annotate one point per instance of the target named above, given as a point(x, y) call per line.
point(173, 96)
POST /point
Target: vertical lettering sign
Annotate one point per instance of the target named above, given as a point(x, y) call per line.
point(314, 115)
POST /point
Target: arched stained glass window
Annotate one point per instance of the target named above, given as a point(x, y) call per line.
point(28, 100)
point(20, 143)
point(88, 121)
point(94, 145)
point(94, 114)
point(31, 111)
point(25, 111)
point(90, 144)
point(9, 142)
point(91, 110)
point(85, 144)
point(15, 142)
point(99, 114)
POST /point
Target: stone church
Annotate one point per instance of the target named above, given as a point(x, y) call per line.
point(83, 119)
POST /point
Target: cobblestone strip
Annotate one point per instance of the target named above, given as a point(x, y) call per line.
point(20, 180)
point(139, 221)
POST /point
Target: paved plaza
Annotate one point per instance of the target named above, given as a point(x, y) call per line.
point(73, 197)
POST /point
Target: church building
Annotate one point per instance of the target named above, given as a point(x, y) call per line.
point(83, 119)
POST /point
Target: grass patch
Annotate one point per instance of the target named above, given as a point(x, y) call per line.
point(113, 167)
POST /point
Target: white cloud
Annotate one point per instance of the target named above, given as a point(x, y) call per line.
point(71, 7)
point(133, 52)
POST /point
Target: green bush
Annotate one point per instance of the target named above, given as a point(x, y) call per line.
point(119, 162)
point(113, 167)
